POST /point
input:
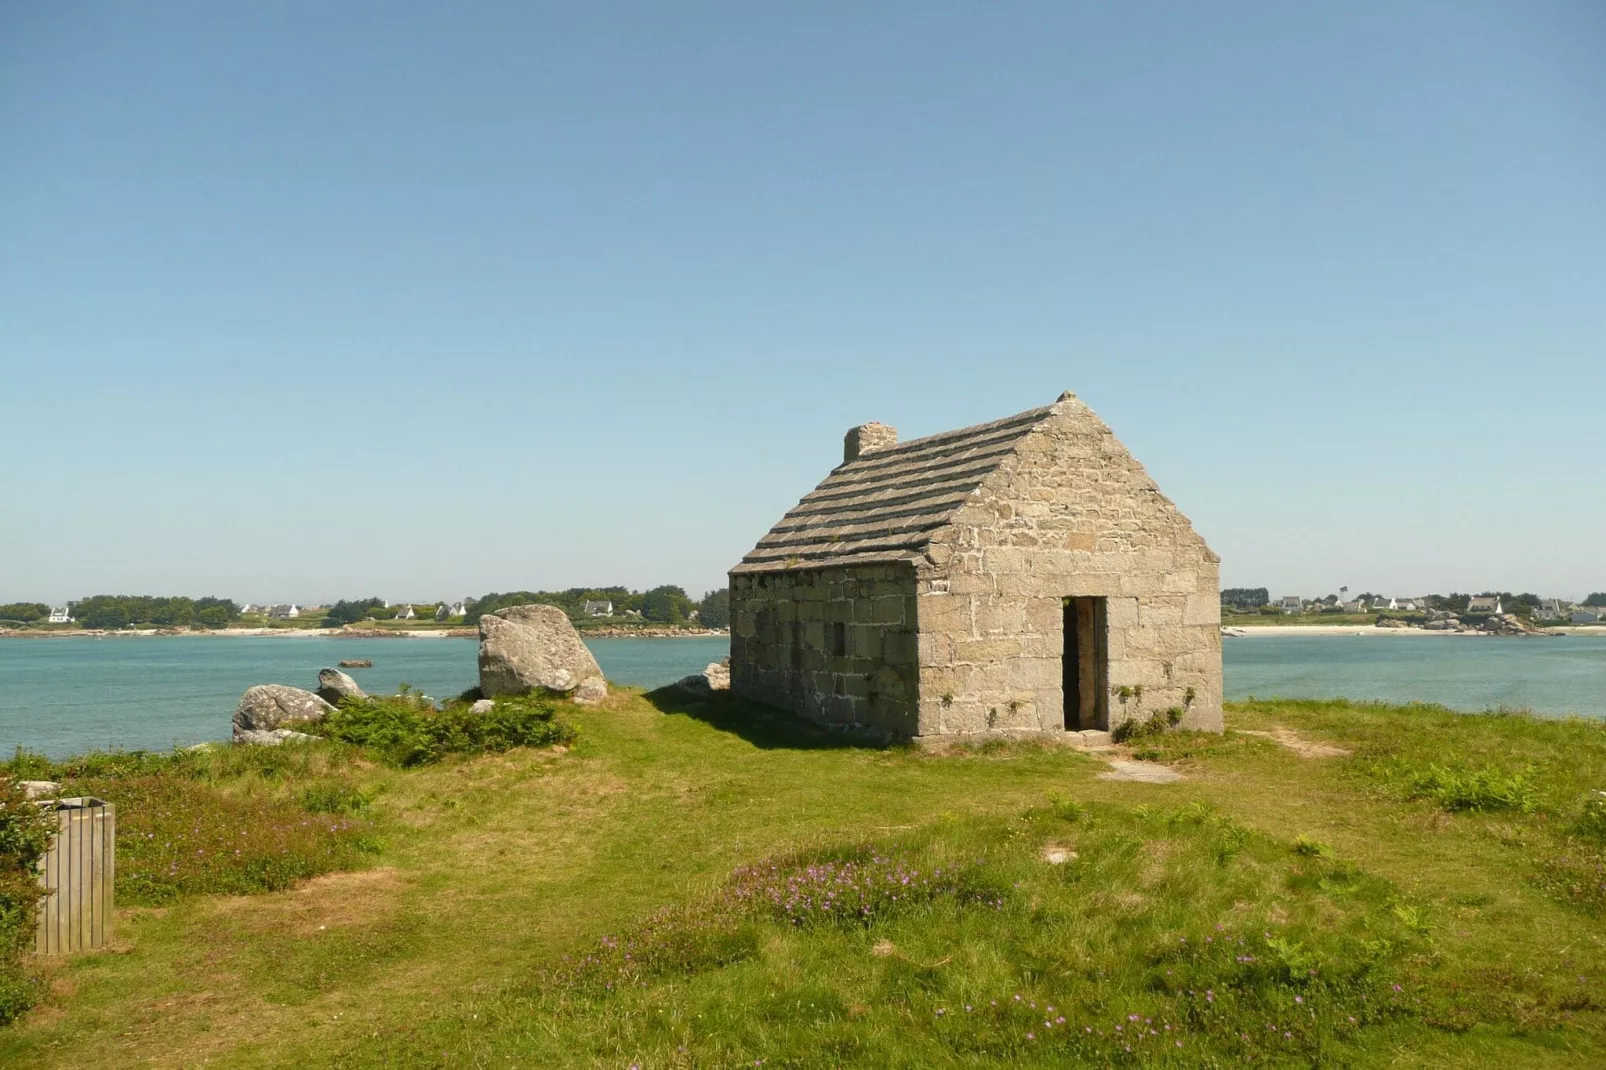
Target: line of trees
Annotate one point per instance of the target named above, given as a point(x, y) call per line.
point(122, 610)
point(24, 612)
point(1245, 598)
point(667, 604)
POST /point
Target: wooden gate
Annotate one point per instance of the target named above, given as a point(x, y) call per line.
point(78, 873)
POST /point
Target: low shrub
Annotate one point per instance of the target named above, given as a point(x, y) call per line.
point(1132, 730)
point(859, 888)
point(24, 839)
point(405, 731)
point(1460, 788)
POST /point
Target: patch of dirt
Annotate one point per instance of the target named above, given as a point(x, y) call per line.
point(1305, 748)
point(1142, 772)
point(333, 900)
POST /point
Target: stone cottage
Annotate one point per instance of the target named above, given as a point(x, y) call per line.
point(1024, 576)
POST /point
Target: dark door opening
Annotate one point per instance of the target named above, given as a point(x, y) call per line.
point(1086, 665)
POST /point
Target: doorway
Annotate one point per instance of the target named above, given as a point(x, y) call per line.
point(1086, 665)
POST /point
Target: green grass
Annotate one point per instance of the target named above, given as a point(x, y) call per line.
point(1425, 901)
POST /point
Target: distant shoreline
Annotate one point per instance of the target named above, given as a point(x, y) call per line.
point(1253, 630)
point(331, 633)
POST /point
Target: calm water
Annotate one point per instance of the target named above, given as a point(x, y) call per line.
point(63, 696)
point(1554, 675)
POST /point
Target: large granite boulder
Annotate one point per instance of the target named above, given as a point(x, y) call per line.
point(267, 708)
point(334, 685)
point(528, 648)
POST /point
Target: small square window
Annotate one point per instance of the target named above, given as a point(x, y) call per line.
point(839, 640)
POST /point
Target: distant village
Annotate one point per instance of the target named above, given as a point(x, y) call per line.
point(665, 606)
point(442, 612)
point(1255, 601)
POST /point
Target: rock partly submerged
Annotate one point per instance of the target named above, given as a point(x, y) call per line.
point(268, 713)
point(535, 648)
point(334, 685)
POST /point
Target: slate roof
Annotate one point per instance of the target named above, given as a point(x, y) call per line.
point(884, 506)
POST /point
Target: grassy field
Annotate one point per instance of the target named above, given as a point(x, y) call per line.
point(696, 884)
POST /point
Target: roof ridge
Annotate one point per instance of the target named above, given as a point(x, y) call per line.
point(1029, 416)
point(887, 504)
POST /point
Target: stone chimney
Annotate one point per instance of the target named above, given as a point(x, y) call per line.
point(867, 438)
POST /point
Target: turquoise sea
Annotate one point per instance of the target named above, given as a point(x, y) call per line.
point(64, 696)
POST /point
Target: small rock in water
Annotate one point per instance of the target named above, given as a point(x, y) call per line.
point(357, 663)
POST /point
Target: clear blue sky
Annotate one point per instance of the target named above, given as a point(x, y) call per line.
point(310, 300)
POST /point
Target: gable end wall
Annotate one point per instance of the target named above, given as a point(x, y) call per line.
point(1071, 513)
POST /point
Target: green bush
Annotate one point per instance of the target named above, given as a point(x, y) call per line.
point(406, 731)
point(24, 838)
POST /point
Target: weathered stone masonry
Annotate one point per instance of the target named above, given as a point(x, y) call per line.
point(921, 589)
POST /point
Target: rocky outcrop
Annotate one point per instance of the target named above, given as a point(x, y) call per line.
point(717, 677)
point(483, 705)
point(334, 685)
point(267, 709)
point(530, 648)
point(1510, 624)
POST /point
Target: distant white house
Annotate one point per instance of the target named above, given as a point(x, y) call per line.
point(285, 612)
point(59, 615)
point(1352, 607)
point(1407, 605)
point(405, 612)
point(1588, 615)
point(1489, 604)
point(448, 610)
point(1292, 604)
point(1551, 609)
point(599, 609)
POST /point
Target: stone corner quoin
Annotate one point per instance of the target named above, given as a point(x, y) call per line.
point(1023, 577)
